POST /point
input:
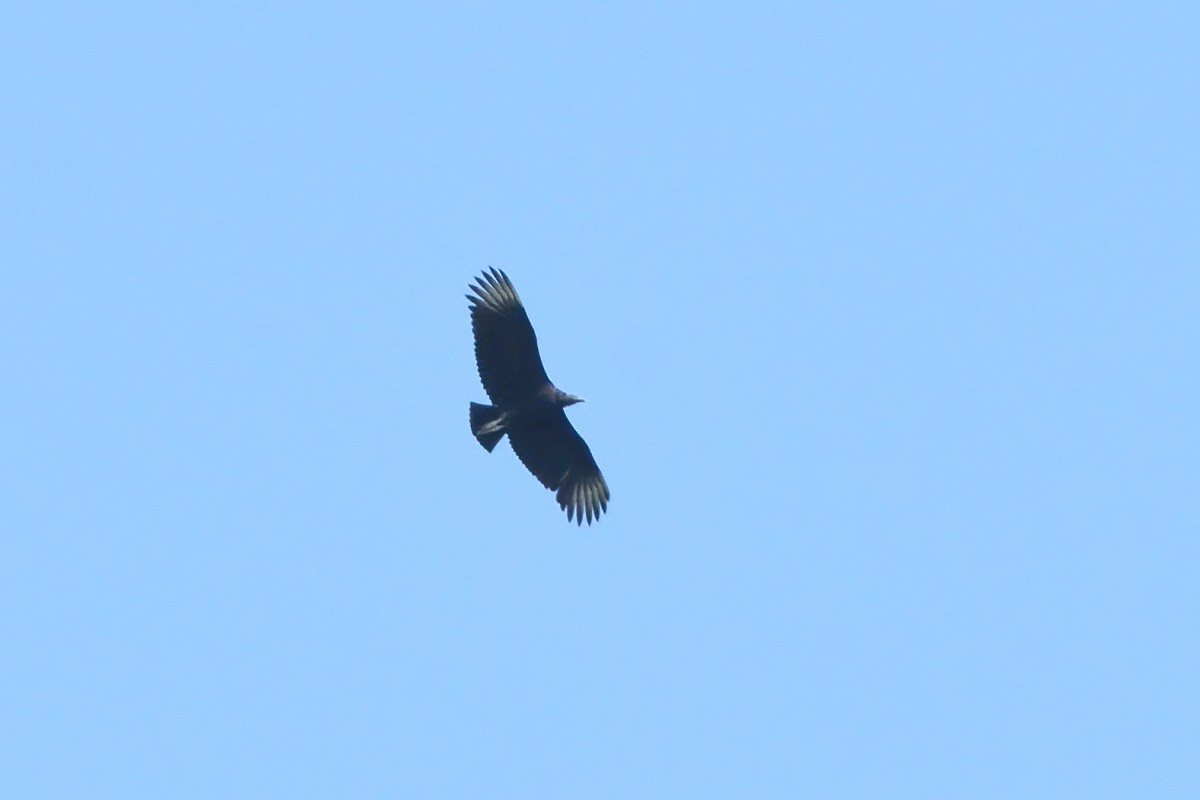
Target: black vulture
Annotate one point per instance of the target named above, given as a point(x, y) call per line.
point(527, 406)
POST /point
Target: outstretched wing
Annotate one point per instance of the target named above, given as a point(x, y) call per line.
point(558, 457)
point(506, 350)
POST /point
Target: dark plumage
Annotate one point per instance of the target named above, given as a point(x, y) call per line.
point(527, 406)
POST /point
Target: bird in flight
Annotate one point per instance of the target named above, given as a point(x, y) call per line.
point(526, 405)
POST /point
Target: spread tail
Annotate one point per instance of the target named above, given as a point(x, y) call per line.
point(487, 423)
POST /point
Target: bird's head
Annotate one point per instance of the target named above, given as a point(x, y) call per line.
point(565, 399)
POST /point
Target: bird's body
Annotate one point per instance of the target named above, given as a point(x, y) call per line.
point(527, 406)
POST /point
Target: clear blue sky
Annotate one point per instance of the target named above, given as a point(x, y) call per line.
point(887, 317)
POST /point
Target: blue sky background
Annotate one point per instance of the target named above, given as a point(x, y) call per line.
point(887, 319)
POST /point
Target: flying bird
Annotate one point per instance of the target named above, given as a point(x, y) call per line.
point(526, 405)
